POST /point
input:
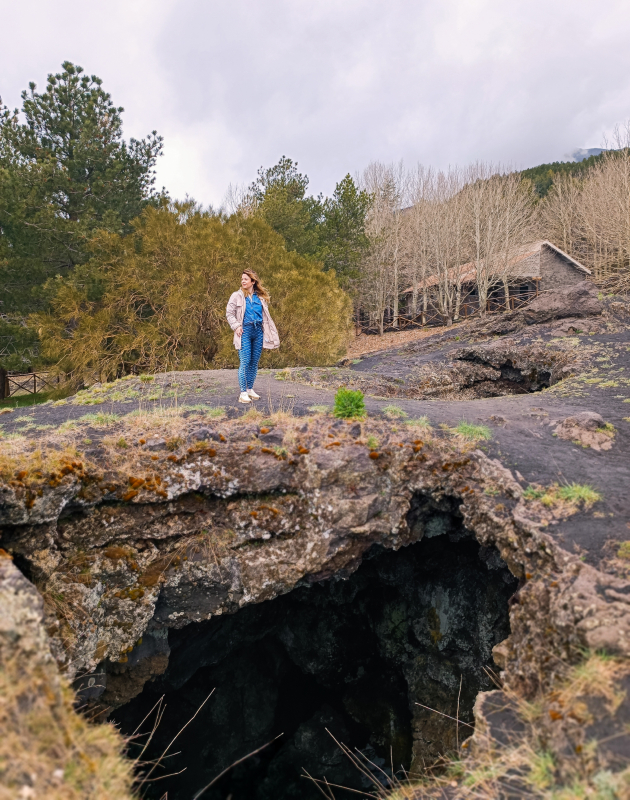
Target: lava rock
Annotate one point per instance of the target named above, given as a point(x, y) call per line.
point(204, 435)
point(579, 300)
point(155, 444)
point(589, 420)
point(246, 433)
point(274, 437)
point(587, 429)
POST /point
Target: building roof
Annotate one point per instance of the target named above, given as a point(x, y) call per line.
point(524, 264)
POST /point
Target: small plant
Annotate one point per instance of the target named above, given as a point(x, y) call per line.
point(473, 433)
point(573, 493)
point(624, 551)
point(216, 412)
point(608, 429)
point(349, 404)
point(100, 418)
point(421, 422)
point(68, 425)
point(579, 493)
point(147, 378)
point(319, 409)
point(394, 411)
point(372, 442)
point(122, 443)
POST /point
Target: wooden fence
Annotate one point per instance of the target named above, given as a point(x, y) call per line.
point(14, 384)
point(433, 318)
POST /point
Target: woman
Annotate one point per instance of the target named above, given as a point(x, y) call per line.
point(248, 316)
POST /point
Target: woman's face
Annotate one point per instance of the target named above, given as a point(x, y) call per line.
point(246, 282)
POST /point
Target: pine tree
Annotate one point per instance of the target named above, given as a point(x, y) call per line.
point(64, 171)
point(342, 236)
point(280, 195)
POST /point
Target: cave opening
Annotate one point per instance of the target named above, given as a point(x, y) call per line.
point(350, 657)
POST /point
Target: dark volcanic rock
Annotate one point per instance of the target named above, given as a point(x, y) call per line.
point(579, 300)
point(155, 444)
point(273, 438)
point(204, 435)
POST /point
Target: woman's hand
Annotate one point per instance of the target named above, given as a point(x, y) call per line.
point(239, 331)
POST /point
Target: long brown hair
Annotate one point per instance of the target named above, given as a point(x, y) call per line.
point(258, 286)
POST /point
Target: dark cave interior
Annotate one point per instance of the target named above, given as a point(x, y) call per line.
point(344, 658)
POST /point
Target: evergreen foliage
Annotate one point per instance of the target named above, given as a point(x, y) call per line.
point(343, 242)
point(330, 230)
point(280, 194)
point(349, 404)
point(155, 300)
point(543, 176)
point(64, 171)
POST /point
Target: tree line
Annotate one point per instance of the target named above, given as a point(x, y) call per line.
point(434, 233)
point(102, 274)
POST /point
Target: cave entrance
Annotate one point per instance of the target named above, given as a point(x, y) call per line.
point(352, 657)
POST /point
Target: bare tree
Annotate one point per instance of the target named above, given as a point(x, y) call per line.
point(605, 215)
point(446, 239)
point(238, 199)
point(559, 215)
point(380, 287)
point(500, 213)
point(590, 215)
point(418, 261)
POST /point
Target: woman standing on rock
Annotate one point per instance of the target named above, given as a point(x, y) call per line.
point(248, 316)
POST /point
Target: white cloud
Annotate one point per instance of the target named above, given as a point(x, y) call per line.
point(336, 84)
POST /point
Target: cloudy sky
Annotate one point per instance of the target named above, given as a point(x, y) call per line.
point(335, 84)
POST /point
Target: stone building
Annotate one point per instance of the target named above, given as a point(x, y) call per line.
point(535, 268)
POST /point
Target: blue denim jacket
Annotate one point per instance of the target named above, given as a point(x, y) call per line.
point(253, 310)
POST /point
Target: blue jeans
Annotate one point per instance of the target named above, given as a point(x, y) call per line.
point(249, 354)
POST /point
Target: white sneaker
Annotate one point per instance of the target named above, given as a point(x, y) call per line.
point(244, 398)
point(253, 394)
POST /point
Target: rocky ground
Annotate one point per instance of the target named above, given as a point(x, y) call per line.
point(143, 506)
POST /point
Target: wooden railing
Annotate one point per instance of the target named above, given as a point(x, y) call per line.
point(433, 318)
point(13, 384)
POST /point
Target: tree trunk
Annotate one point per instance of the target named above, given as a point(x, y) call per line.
point(506, 290)
point(458, 301)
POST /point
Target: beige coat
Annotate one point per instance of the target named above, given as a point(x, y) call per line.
point(235, 312)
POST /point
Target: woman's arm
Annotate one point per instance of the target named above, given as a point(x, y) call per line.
point(230, 313)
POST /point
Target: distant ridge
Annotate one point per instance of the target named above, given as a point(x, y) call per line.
point(581, 153)
point(543, 175)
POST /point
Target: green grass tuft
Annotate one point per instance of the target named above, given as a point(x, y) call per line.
point(473, 433)
point(533, 493)
point(394, 412)
point(624, 551)
point(319, 409)
point(579, 493)
point(422, 422)
point(349, 404)
point(100, 418)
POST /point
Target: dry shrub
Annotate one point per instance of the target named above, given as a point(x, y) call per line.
point(155, 301)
